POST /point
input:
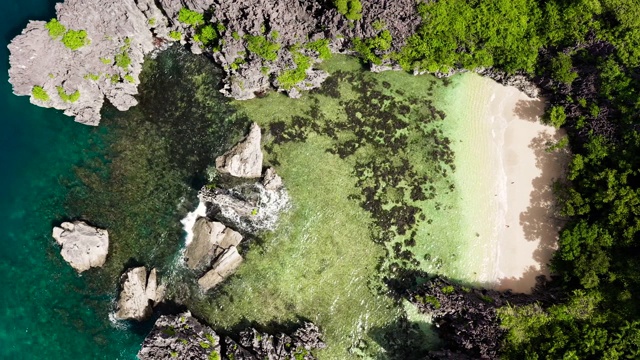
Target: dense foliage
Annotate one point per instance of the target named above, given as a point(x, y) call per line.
point(56, 29)
point(351, 9)
point(262, 47)
point(73, 97)
point(75, 39)
point(585, 55)
point(190, 17)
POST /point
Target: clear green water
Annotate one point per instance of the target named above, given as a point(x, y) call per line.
point(355, 216)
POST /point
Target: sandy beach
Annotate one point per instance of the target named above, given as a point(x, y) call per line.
point(527, 228)
point(505, 176)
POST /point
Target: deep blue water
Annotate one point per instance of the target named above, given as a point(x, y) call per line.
point(46, 309)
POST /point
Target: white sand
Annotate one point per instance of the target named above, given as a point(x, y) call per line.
point(526, 227)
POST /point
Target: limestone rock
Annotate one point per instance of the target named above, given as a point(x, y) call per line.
point(83, 246)
point(210, 240)
point(182, 336)
point(245, 159)
point(249, 207)
point(112, 28)
point(271, 180)
point(138, 294)
point(221, 269)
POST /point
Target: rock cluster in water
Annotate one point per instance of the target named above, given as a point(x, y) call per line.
point(248, 207)
point(183, 337)
point(83, 246)
point(139, 294)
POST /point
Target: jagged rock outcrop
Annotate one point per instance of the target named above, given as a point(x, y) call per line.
point(249, 207)
point(83, 246)
point(105, 63)
point(183, 337)
point(245, 159)
point(138, 294)
point(180, 337)
point(271, 180)
point(119, 35)
point(222, 268)
point(210, 240)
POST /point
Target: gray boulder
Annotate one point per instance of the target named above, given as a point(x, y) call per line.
point(210, 240)
point(222, 268)
point(83, 246)
point(138, 294)
point(245, 159)
point(271, 180)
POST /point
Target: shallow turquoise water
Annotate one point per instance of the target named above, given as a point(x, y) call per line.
point(46, 310)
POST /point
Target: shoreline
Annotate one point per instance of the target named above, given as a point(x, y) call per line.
point(505, 176)
point(529, 236)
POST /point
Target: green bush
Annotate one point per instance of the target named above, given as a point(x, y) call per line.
point(75, 39)
point(56, 29)
point(262, 47)
point(367, 47)
point(70, 98)
point(190, 17)
point(235, 35)
point(94, 77)
point(175, 35)
point(39, 93)
point(123, 60)
point(206, 35)
point(129, 78)
point(351, 9)
point(556, 116)
point(214, 355)
point(320, 46)
point(289, 78)
point(561, 69)
point(152, 22)
point(106, 61)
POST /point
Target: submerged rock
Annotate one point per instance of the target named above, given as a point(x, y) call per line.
point(180, 337)
point(184, 337)
point(138, 294)
point(210, 240)
point(245, 159)
point(222, 268)
point(83, 246)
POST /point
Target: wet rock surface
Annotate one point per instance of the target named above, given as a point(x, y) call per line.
point(139, 294)
point(83, 246)
point(210, 240)
point(245, 159)
point(184, 337)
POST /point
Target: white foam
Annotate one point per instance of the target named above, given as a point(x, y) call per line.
point(190, 220)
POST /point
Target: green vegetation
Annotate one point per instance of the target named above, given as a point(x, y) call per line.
point(39, 93)
point(320, 46)
point(173, 354)
point(56, 29)
point(262, 47)
point(190, 17)
point(70, 98)
point(448, 290)
point(152, 22)
point(75, 39)
point(351, 9)
point(561, 69)
point(129, 78)
point(204, 345)
point(175, 35)
point(115, 78)
point(556, 116)
point(289, 78)
point(274, 34)
point(235, 65)
point(106, 61)
point(367, 48)
point(94, 77)
point(123, 60)
point(235, 35)
point(214, 355)
point(206, 35)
